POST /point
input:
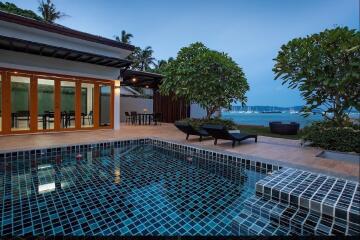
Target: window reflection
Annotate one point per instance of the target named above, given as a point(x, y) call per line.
point(44, 188)
point(46, 178)
point(20, 103)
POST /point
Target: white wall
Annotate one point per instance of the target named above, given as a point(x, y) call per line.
point(196, 111)
point(117, 102)
point(129, 104)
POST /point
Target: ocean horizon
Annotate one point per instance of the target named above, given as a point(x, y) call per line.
point(263, 119)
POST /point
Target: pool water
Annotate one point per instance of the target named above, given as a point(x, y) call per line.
point(132, 190)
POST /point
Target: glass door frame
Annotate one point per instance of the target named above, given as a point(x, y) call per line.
point(97, 97)
point(56, 93)
point(95, 103)
point(34, 76)
point(76, 107)
point(32, 100)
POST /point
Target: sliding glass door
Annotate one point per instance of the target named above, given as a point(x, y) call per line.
point(104, 104)
point(20, 103)
point(47, 102)
point(68, 101)
point(87, 105)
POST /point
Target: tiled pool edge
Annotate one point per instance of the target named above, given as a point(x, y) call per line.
point(266, 160)
point(323, 194)
point(281, 188)
point(223, 157)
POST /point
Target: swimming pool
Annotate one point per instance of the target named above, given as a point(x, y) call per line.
point(153, 187)
point(129, 189)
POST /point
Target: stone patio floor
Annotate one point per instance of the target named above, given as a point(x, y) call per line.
point(283, 151)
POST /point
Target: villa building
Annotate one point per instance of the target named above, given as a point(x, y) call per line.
point(53, 78)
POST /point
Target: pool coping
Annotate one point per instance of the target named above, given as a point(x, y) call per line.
point(76, 146)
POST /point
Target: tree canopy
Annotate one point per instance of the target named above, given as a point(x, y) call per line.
point(49, 12)
point(143, 59)
point(47, 8)
point(12, 8)
point(325, 68)
point(207, 77)
point(125, 37)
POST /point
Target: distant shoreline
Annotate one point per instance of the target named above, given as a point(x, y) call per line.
point(263, 119)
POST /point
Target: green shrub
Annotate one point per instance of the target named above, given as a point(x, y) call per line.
point(196, 123)
point(325, 135)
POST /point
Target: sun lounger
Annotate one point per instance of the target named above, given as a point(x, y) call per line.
point(220, 132)
point(189, 130)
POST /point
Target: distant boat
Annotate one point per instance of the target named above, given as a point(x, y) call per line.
point(249, 110)
point(271, 111)
point(292, 111)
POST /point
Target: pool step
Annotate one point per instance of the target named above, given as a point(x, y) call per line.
point(248, 224)
point(328, 196)
point(264, 216)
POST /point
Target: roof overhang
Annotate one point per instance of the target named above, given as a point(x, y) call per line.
point(135, 78)
point(62, 30)
point(20, 45)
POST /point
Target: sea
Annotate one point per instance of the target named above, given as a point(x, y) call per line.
point(263, 119)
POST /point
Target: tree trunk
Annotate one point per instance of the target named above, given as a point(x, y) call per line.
point(338, 112)
point(209, 112)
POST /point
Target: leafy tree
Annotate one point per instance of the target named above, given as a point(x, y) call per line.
point(325, 67)
point(49, 12)
point(12, 8)
point(160, 65)
point(125, 37)
point(209, 78)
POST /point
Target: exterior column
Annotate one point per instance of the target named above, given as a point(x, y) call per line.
point(117, 105)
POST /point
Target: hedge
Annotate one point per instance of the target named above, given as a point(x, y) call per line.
point(343, 139)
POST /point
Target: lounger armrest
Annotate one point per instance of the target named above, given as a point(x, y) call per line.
point(233, 131)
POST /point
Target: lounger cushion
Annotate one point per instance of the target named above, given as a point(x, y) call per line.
point(188, 129)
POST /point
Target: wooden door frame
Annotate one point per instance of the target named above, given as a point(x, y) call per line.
point(6, 74)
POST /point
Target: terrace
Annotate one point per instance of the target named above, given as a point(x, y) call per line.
point(285, 152)
point(74, 162)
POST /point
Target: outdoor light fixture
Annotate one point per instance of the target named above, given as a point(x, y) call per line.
point(133, 79)
point(147, 86)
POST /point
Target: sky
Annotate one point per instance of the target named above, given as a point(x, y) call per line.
point(250, 31)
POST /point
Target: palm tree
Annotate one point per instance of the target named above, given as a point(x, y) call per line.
point(125, 37)
point(49, 12)
point(143, 59)
point(146, 58)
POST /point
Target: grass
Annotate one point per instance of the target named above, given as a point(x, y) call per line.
point(265, 131)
